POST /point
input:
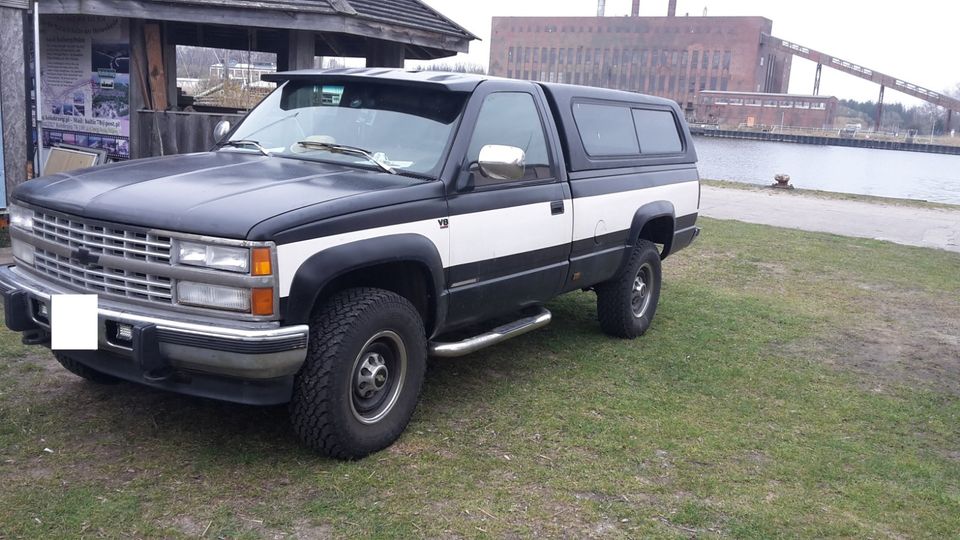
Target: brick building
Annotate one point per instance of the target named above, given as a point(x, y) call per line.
point(732, 109)
point(672, 57)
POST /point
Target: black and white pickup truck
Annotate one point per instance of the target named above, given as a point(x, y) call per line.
point(345, 228)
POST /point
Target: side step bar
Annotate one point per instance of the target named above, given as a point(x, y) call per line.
point(497, 335)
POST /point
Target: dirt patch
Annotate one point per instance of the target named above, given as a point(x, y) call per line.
point(899, 337)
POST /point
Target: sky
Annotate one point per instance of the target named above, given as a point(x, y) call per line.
point(914, 41)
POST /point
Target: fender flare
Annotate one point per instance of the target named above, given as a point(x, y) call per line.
point(645, 214)
point(323, 267)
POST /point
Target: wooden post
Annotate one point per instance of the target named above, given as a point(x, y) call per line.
point(299, 53)
point(157, 74)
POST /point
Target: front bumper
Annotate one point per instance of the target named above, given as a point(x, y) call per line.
point(204, 356)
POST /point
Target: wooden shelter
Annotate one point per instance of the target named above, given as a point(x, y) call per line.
point(384, 32)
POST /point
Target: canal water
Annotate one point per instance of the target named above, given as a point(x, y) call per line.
point(885, 173)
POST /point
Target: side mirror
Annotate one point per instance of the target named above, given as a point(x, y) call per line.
point(221, 130)
point(501, 162)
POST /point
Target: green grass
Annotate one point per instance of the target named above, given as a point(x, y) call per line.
point(730, 184)
point(736, 415)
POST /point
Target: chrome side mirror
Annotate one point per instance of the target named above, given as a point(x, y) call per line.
point(501, 162)
point(221, 130)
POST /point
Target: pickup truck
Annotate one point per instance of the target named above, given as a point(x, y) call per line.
point(354, 223)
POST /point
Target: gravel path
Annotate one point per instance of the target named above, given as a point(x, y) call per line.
point(926, 227)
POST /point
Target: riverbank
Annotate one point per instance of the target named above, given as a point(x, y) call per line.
point(904, 223)
point(820, 140)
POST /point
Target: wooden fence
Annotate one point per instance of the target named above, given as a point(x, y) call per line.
point(164, 133)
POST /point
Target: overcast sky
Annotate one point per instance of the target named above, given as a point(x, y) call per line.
point(916, 41)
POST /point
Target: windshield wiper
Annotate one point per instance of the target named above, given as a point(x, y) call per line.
point(351, 150)
point(243, 143)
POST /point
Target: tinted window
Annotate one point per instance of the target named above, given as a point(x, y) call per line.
point(606, 130)
point(511, 119)
point(657, 132)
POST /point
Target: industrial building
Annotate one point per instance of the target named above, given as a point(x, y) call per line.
point(751, 109)
point(672, 57)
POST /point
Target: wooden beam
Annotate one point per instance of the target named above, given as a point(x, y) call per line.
point(158, 79)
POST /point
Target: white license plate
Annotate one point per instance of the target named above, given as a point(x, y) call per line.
point(73, 322)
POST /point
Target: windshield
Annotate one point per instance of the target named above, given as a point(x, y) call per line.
point(404, 128)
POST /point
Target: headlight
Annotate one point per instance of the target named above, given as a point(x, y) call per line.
point(233, 259)
point(215, 296)
point(20, 217)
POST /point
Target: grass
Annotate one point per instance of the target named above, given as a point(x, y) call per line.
point(743, 412)
point(916, 203)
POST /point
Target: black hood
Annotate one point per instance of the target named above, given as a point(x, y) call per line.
point(221, 194)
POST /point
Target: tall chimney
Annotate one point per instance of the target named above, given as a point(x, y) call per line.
point(672, 8)
point(601, 8)
point(635, 11)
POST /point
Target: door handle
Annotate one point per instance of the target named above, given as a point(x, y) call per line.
point(556, 208)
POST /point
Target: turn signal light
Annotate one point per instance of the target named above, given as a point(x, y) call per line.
point(261, 301)
point(262, 265)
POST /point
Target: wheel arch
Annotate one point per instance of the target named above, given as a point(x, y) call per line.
point(655, 222)
point(407, 264)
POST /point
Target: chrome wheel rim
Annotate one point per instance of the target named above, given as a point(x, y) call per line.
point(377, 378)
point(640, 293)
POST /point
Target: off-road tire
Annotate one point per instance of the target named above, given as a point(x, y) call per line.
point(323, 409)
point(83, 371)
point(615, 308)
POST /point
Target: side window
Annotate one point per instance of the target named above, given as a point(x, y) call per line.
point(657, 132)
point(606, 130)
point(511, 119)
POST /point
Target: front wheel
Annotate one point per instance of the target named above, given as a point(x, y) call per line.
point(365, 364)
point(627, 303)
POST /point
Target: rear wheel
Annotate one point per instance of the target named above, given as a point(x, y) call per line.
point(83, 371)
point(627, 303)
point(365, 364)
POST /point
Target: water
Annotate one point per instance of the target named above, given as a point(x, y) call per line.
point(884, 173)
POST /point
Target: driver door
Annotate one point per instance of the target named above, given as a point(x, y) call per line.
point(509, 239)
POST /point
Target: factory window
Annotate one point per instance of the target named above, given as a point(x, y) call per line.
point(673, 84)
point(509, 73)
point(703, 85)
point(615, 59)
point(727, 58)
point(543, 76)
point(587, 59)
point(643, 58)
point(803, 104)
point(720, 101)
point(640, 83)
point(569, 55)
point(652, 87)
point(510, 56)
point(693, 86)
point(819, 106)
point(579, 55)
point(543, 55)
point(606, 57)
point(526, 54)
point(682, 83)
point(683, 59)
point(576, 78)
point(536, 55)
point(623, 81)
point(736, 101)
point(596, 57)
point(713, 83)
point(664, 57)
point(627, 56)
point(724, 83)
point(655, 58)
point(786, 104)
point(662, 84)
point(706, 60)
point(561, 59)
point(526, 75)
point(694, 59)
point(770, 103)
point(553, 56)
point(676, 58)
point(716, 59)
point(606, 130)
point(657, 132)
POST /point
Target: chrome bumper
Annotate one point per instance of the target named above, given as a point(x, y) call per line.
point(206, 345)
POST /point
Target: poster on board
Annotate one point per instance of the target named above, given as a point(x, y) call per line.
point(85, 82)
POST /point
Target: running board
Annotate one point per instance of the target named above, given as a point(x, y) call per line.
point(497, 335)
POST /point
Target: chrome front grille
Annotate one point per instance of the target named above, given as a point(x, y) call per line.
point(108, 240)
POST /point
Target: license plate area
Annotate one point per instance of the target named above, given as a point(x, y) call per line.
point(73, 322)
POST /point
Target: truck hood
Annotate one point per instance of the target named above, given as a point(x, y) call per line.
point(222, 194)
